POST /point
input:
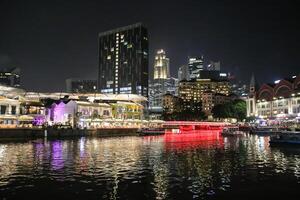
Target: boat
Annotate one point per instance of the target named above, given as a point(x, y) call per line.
point(231, 131)
point(265, 130)
point(151, 131)
point(285, 137)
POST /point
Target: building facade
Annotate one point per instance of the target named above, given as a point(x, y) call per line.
point(81, 85)
point(123, 61)
point(171, 103)
point(192, 91)
point(280, 100)
point(211, 99)
point(19, 108)
point(157, 89)
point(161, 65)
point(10, 77)
point(195, 65)
point(215, 66)
point(9, 112)
point(183, 73)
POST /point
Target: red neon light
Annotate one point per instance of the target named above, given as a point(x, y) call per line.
point(194, 139)
point(195, 123)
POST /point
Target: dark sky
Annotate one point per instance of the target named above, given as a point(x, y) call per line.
point(54, 40)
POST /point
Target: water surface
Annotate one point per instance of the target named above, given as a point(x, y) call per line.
point(194, 166)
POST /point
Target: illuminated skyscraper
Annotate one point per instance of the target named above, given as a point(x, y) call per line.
point(161, 65)
point(123, 60)
point(195, 65)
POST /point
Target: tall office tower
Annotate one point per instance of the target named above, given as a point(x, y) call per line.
point(183, 73)
point(123, 61)
point(195, 66)
point(161, 65)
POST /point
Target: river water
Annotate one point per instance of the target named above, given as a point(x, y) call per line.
point(200, 165)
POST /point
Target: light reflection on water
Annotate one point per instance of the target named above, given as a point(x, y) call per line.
point(198, 165)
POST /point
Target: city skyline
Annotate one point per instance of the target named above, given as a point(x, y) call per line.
point(42, 38)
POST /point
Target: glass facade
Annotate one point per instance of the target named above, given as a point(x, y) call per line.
point(123, 61)
point(195, 64)
point(81, 86)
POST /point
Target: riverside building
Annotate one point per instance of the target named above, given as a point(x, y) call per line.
point(280, 100)
point(83, 110)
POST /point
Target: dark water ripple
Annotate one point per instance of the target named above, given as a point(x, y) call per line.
point(162, 167)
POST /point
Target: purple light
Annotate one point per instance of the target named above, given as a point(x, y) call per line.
point(57, 155)
point(38, 120)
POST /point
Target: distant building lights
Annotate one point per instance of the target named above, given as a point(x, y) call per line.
point(277, 81)
point(294, 76)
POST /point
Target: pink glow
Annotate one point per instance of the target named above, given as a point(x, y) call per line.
point(194, 138)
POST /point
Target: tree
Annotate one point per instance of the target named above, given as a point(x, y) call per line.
point(235, 109)
point(239, 109)
point(188, 111)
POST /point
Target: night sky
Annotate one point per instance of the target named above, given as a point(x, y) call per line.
point(54, 40)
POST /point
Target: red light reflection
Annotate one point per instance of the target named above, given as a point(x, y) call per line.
point(205, 139)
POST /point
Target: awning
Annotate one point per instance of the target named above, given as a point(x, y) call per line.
point(25, 118)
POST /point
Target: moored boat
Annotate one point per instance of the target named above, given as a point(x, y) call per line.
point(285, 137)
point(151, 131)
point(231, 131)
point(265, 130)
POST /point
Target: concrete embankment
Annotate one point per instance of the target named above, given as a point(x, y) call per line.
point(28, 133)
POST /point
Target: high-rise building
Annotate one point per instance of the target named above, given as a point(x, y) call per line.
point(160, 87)
point(81, 85)
point(10, 77)
point(214, 66)
point(157, 89)
point(183, 73)
point(195, 65)
point(161, 65)
point(123, 61)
